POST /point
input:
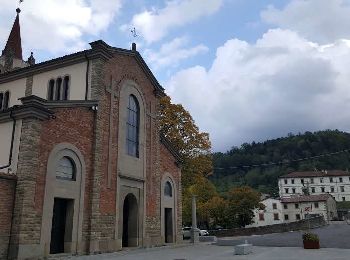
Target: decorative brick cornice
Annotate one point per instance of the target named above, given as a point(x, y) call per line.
point(99, 49)
point(39, 108)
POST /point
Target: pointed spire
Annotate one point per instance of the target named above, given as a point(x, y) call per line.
point(14, 42)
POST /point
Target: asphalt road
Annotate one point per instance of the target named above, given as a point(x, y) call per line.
point(331, 236)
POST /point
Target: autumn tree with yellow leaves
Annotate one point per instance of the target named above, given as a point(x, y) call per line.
point(178, 126)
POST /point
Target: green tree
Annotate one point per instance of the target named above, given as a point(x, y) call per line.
point(241, 204)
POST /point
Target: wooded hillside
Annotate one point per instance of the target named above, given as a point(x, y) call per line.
point(264, 178)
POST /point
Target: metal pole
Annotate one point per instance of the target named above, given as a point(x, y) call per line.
point(194, 230)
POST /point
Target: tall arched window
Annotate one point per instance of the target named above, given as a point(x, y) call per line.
point(6, 100)
point(65, 88)
point(51, 90)
point(58, 88)
point(133, 125)
point(168, 189)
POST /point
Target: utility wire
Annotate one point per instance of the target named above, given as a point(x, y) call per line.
point(282, 162)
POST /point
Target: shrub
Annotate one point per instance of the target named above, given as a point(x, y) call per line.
point(310, 237)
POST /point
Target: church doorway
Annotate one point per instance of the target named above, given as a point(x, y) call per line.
point(60, 231)
point(168, 214)
point(130, 221)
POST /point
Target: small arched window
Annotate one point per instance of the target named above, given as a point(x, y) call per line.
point(65, 88)
point(51, 90)
point(58, 88)
point(133, 125)
point(168, 189)
point(6, 99)
point(65, 169)
point(1, 100)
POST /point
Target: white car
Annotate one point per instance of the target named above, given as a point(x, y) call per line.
point(203, 232)
point(186, 232)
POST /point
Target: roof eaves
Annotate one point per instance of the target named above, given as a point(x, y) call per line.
point(171, 149)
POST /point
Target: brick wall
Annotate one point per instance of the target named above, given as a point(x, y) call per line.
point(7, 190)
point(169, 165)
point(74, 126)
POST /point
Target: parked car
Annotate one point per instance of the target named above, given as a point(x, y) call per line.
point(186, 232)
point(203, 232)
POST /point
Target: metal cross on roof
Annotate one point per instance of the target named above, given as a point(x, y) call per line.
point(133, 31)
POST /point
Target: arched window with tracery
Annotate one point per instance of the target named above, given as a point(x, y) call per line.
point(133, 126)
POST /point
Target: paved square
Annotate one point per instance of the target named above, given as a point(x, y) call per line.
point(212, 252)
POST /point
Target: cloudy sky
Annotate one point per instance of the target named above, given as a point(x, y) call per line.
point(247, 70)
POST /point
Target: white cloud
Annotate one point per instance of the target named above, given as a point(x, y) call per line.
point(58, 26)
point(154, 24)
point(318, 20)
point(282, 83)
point(171, 53)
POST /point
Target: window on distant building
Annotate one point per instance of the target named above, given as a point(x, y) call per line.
point(292, 181)
point(286, 217)
point(311, 180)
point(274, 205)
point(316, 205)
point(297, 216)
point(286, 190)
point(293, 190)
point(313, 190)
point(343, 198)
point(285, 181)
point(342, 189)
point(261, 217)
point(330, 179)
point(321, 180)
point(285, 206)
point(302, 181)
point(296, 205)
point(322, 189)
point(276, 216)
point(133, 125)
point(332, 189)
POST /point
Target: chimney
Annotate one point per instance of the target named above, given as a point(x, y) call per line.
point(133, 46)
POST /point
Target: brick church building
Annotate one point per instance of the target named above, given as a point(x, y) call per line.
point(83, 167)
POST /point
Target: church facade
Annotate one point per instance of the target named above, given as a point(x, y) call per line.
point(83, 166)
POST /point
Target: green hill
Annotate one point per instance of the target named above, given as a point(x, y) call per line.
point(229, 167)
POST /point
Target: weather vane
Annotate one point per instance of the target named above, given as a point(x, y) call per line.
point(133, 31)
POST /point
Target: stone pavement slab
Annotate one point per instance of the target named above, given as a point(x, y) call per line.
point(205, 251)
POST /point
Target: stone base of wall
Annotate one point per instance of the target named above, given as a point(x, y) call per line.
point(278, 228)
point(7, 191)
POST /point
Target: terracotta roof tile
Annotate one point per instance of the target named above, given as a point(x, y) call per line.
point(304, 198)
point(307, 174)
